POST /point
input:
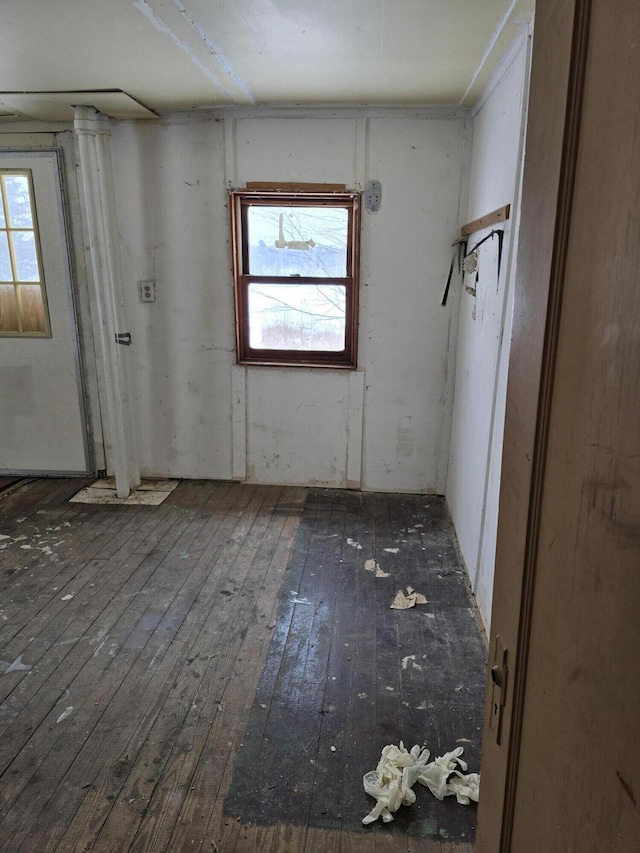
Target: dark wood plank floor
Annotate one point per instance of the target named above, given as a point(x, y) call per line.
point(218, 672)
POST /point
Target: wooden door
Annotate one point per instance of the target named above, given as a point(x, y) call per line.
point(42, 416)
point(565, 775)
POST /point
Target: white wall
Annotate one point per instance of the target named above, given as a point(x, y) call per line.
point(484, 324)
point(384, 426)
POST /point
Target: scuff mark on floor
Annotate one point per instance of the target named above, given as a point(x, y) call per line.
point(16, 666)
point(66, 713)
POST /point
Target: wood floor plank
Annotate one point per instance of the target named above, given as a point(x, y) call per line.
point(277, 697)
point(105, 531)
point(99, 681)
point(171, 627)
point(252, 838)
point(5, 482)
point(85, 627)
point(213, 772)
point(26, 574)
point(337, 736)
point(215, 649)
point(289, 838)
point(369, 527)
point(47, 634)
point(202, 692)
point(62, 602)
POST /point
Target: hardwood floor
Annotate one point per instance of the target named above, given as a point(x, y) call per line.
point(218, 672)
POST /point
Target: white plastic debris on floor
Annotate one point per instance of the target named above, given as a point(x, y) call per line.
point(391, 783)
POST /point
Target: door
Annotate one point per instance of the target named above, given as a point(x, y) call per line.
point(42, 417)
point(561, 754)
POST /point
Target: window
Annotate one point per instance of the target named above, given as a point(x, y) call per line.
point(296, 275)
point(22, 304)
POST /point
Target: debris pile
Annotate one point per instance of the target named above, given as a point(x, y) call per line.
point(391, 783)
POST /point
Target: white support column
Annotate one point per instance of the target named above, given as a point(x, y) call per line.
point(92, 135)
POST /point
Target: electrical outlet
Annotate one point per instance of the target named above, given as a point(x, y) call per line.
point(147, 290)
point(373, 196)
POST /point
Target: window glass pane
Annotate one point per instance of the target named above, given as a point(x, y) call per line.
point(5, 260)
point(306, 241)
point(8, 309)
point(297, 316)
point(33, 319)
point(18, 200)
point(3, 222)
point(24, 250)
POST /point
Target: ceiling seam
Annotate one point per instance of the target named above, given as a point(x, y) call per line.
point(145, 8)
point(228, 68)
point(494, 38)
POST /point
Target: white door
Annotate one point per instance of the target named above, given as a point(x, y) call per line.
point(42, 417)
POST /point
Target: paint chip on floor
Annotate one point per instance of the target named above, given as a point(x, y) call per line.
point(148, 493)
point(404, 601)
point(372, 566)
point(16, 666)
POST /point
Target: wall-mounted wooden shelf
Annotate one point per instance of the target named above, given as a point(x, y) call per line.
point(485, 221)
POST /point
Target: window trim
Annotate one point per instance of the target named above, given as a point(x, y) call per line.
point(295, 196)
point(18, 283)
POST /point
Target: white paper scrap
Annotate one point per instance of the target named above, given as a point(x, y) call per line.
point(403, 601)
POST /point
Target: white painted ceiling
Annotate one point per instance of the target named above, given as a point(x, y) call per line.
point(136, 58)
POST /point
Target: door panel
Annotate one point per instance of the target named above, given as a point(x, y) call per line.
point(582, 687)
point(566, 776)
point(42, 417)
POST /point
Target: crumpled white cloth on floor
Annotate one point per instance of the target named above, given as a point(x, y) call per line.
point(443, 778)
point(398, 770)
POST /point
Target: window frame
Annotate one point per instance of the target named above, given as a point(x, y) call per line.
point(241, 200)
point(17, 283)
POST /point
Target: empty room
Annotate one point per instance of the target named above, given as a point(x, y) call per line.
point(318, 437)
